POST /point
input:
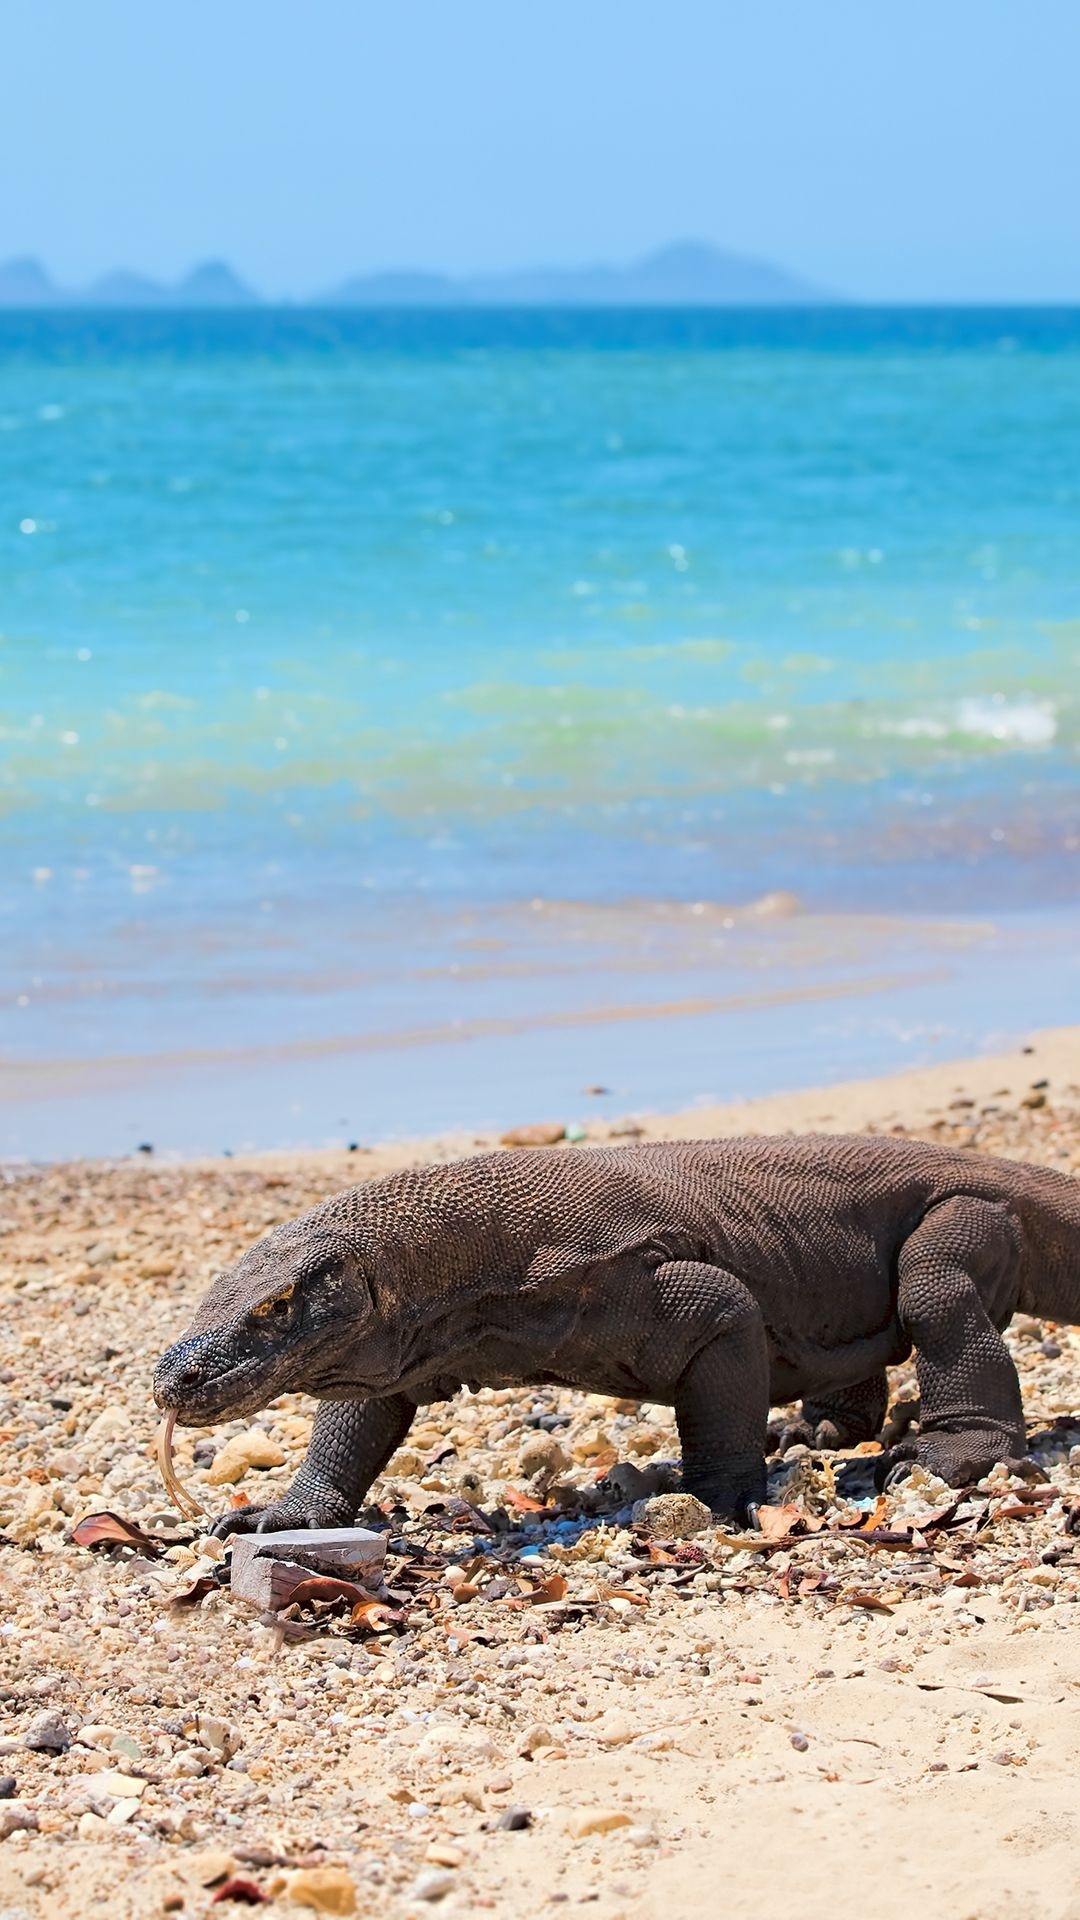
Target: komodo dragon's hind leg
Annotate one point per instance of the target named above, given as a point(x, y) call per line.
point(849, 1414)
point(722, 1396)
point(958, 1280)
point(838, 1417)
point(351, 1442)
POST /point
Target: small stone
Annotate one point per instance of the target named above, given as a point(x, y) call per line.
point(541, 1453)
point(1026, 1328)
point(327, 1889)
point(514, 1820)
point(597, 1820)
point(120, 1786)
point(15, 1818)
point(536, 1737)
point(442, 1854)
point(674, 1516)
point(543, 1133)
point(91, 1826)
point(210, 1867)
point(47, 1734)
point(8, 1786)
point(433, 1885)
point(642, 1836)
point(1036, 1098)
point(1051, 1350)
point(800, 1742)
point(114, 1423)
point(243, 1452)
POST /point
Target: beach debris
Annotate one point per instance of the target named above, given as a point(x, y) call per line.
point(186, 1503)
point(275, 1570)
point(542, 1133)
point(241, 1889)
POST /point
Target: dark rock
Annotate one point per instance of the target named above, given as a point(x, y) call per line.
point(514, 1820)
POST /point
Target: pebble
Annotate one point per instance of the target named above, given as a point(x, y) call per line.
point(240, 1454)
point(8, 1786)
point(433, 1884)
point(514, 1819)
point(597, 1820)
point(542, 1133)
point(442, 1854)
point(15, 1818)
point(673, 1516)
point(210, 1867)
point(47, 1734)
point(541, 1453)
point(326, 1889)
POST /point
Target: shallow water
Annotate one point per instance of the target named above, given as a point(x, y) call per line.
point(325, 637)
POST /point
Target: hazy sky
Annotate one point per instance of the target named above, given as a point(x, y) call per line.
point(889, 148)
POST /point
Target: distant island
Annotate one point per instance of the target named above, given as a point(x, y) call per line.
point(687, 274)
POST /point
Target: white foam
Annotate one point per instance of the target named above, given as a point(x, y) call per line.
point(1018, 723)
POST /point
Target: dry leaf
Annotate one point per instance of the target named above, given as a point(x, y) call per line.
point(522, 1502)
point(192, 1596)
point(374, 1615)
point(871, 1601)
point(328, 1588)
point(110, 1530)
point(554, 1588)
point(775, 1523)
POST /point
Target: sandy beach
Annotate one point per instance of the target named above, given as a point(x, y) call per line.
point(884, 1689)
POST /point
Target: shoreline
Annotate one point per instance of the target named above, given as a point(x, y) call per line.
point(912, 1099)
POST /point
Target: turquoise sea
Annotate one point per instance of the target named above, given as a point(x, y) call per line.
point(400, 713)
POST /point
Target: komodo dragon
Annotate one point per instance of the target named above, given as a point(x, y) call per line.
point(716, 1277)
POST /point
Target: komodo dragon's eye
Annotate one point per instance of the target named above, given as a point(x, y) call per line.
point(279, 1304)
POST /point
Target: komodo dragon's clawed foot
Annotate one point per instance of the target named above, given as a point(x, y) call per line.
point(281, 1516)
point(959, 1459)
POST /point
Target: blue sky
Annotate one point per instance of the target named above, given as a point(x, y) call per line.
point(888, 148)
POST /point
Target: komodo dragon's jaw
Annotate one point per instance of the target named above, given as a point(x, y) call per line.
point(269, 1325)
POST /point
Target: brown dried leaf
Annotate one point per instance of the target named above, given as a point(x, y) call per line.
point(522, 1502)
point(112, 1530)
point(194, 1595)
point(328, 1589)
point(871, 1601)
point(554, 1588)
point(775, 1523)
point(374, 1615)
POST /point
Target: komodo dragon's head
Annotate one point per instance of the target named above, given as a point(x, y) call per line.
point(291, 1316)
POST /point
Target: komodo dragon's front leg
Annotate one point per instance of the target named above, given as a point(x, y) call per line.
point(351, 1442)
point(958, 1283)
point(721, 1396)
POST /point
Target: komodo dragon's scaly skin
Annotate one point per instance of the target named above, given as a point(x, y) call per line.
point(712, 1276)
